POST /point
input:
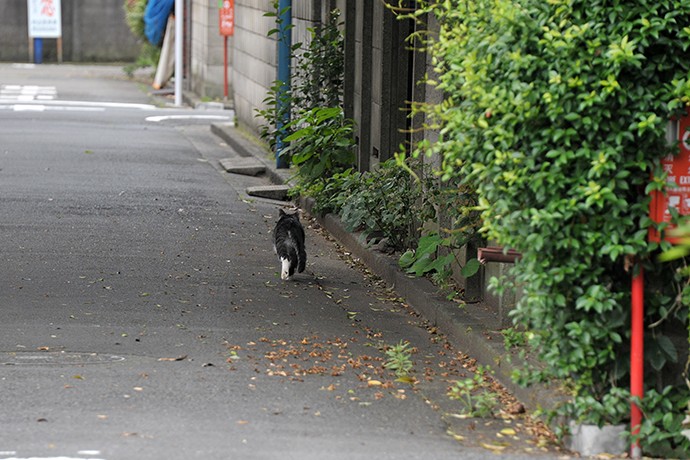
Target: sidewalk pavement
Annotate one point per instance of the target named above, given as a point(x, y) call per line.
point(468, 327)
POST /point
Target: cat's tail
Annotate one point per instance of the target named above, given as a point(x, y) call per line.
point(293, 260)
point(302, 259)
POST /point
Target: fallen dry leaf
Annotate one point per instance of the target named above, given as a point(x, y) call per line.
point(179, 358)
point(493, 447)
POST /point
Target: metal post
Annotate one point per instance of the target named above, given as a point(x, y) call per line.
point(225, 68)
point(179, 37)
point(637, 357)
point(284, 55)
point(38, 51)
point(59, 49)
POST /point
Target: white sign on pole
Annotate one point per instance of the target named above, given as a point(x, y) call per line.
point(44, 18)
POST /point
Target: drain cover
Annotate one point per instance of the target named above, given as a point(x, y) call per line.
point(60, 358)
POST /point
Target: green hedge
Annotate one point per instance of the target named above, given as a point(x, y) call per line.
point(556, 112)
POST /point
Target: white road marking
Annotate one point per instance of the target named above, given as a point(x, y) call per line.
point(160, 118)
point(43, 108)
point(103, 104)
point(28, 108)
point(43, 102)
point(23, 66)
point(27, 92)
point(50, 458)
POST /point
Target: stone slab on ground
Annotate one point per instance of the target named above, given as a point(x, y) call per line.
point(247, 166)
point(272, 192)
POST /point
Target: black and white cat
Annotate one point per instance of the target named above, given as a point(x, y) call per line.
point(288, 242)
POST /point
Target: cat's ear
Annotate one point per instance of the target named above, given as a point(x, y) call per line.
point(281, 213)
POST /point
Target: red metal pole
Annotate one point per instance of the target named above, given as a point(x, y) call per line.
point(225, 67)
point(637, 357)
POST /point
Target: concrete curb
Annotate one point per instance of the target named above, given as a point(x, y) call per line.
point(466, 327)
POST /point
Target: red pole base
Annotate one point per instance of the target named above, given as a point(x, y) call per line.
point(225, 67)
point(637, 357)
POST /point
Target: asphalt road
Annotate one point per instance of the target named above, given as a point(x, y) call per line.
point(143, 315)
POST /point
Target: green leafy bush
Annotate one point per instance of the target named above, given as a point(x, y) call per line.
point(320, 67)
point(555, 112)
point(321, 144)
point(276, 107)
point(383, 201)
point(134, 16)
point(437, 250)
point(314, 94)
point(148, 54)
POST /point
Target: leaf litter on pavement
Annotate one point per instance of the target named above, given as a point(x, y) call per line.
point(353, 370)
point(353, 367)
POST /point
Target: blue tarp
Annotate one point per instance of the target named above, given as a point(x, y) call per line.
point(156, 18)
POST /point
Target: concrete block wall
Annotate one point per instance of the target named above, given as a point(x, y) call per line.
point(92, 31)
point(255, 55)
point(254, 59)
point(206, 54)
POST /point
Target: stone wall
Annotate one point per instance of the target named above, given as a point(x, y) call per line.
point(92, 31)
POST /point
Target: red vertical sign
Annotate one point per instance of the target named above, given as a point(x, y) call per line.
point(677, 194)
point(226, 17)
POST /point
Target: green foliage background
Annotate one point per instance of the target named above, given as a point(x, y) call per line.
point(134, 16)
point(556, 112)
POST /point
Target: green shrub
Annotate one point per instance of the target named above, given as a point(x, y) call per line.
point(320, 67)
point(148, 54)
point(452, 210)
point(383, 201)
point(321, 144)
point(555, 112)
point(134, 16)
point(314, 92)
point(331, 196)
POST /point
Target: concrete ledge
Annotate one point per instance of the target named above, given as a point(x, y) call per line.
point(243, 165)
point(272, 192)
point(245, 148)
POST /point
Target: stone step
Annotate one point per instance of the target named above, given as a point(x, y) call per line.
point(246, 166)
point(273, 192)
